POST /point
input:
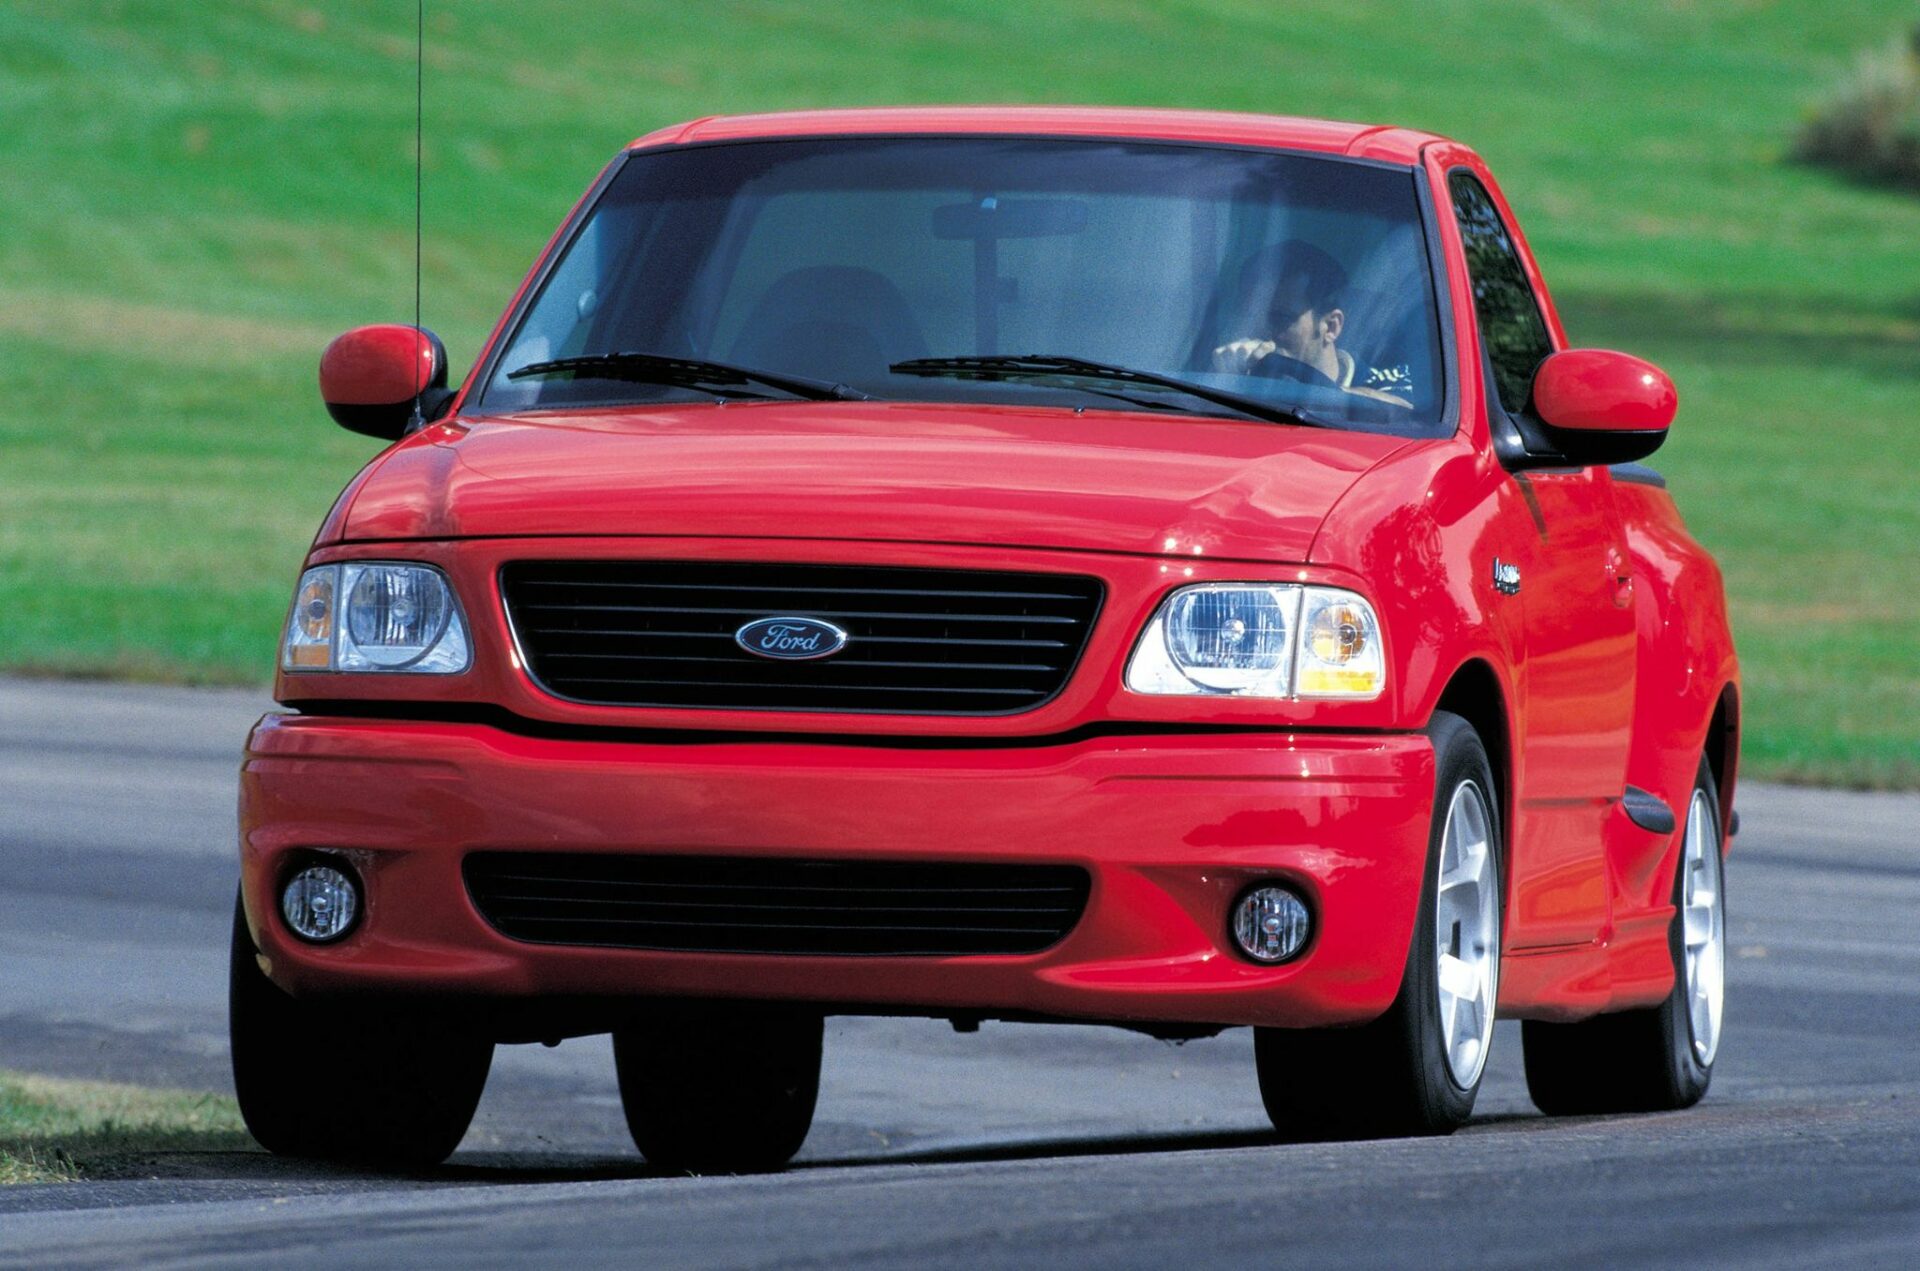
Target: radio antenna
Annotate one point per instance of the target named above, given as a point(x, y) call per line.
point(419, 120)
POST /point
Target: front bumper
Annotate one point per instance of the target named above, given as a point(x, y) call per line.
point(1170, 827)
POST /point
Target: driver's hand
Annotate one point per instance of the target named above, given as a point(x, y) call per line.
point(1238, 357)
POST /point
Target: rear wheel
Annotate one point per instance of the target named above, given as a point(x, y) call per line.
point(1416, 1069)
point(718, 1087)
point(366, 1081)
point(1660, 1058)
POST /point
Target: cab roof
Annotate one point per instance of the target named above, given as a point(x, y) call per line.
point(1365, 141)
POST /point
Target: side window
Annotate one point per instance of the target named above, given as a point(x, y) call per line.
point(1510, 322)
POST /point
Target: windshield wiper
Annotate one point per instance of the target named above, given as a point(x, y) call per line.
point(687, 372)
point(1046, 365)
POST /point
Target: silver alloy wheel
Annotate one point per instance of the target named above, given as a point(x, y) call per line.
point(1467, 934)
point(1703, 914)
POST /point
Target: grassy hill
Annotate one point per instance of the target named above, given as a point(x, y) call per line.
point(196, 197)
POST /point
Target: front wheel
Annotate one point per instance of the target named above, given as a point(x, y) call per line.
point(1416, 1069)
point(1660, 1058)
point(720, 1087)
point(348, 1080)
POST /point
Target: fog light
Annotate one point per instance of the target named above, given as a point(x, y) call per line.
point(320, 903)
point(1271, 924)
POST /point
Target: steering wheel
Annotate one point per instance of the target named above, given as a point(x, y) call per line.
point(1278, 366)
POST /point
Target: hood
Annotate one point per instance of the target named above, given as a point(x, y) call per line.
point(915, 472)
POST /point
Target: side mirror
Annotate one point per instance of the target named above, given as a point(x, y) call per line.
point(370, 376)
point(1602, 407)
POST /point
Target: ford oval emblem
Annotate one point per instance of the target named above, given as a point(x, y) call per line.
point(792, 639)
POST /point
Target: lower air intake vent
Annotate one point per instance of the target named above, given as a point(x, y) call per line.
point(748, 905)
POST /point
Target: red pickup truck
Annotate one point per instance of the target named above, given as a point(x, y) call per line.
point(1148, 567)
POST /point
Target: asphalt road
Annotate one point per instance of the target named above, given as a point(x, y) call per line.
point(1018, 1145)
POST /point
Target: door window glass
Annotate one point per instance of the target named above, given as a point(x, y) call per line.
point(1510, 324)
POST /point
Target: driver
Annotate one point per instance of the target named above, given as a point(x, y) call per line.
point(1289, 298)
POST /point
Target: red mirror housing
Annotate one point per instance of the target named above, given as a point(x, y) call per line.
point(1598, 390)
point(371, 376)
point(1595, 406)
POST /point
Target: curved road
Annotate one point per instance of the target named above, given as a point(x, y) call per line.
point(1019, 1145)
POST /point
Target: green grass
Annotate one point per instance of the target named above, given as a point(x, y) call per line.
point(57, 1131)
point(217, 189)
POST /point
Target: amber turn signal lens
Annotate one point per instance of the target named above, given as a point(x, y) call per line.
point(308, 643)
point(1338, 634)
point(1340, 653)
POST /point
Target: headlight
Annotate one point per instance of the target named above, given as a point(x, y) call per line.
point(375, 616)
point(1251, 640)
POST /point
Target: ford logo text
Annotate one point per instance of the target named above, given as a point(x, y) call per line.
point(793, 639)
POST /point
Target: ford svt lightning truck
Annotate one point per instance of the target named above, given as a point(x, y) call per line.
point(1155, 568)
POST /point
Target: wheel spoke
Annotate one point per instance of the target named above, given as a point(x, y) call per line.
point(1458, 980)
point(1701, 1010)
point(1470, 1044)
point(1470, 865)
point(1697, 925)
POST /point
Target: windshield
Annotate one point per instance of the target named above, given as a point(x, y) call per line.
point(1297, 281)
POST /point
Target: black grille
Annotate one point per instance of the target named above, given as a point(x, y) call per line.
point(741, 905)
point(920, 641)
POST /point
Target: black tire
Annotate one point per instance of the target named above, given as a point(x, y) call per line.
point(720, 1087)
point(1390, 1077)
point(374, 1083)
point(1629, 1061)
